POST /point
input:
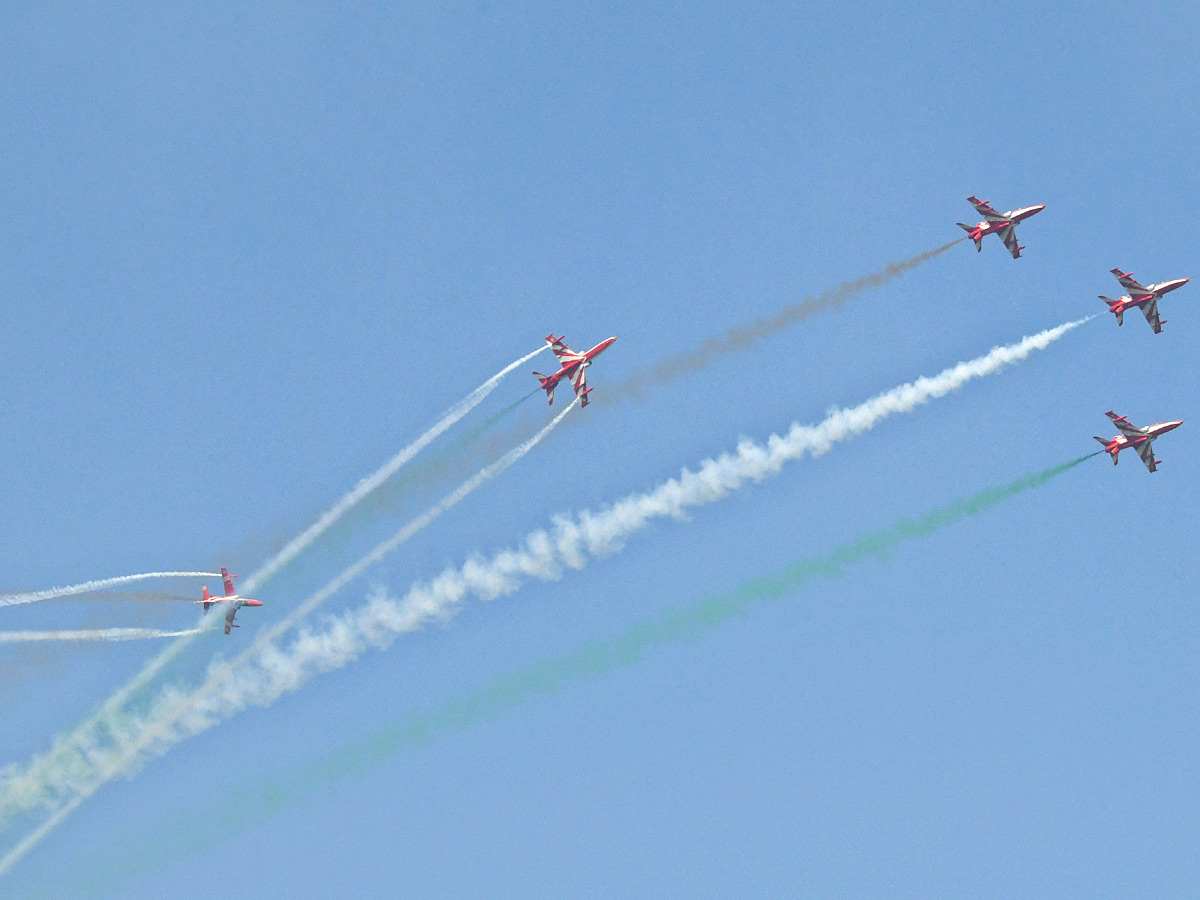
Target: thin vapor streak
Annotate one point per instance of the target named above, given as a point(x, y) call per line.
point(570, 543)
point(264, 639)
point(134, 596)
point(745, 336)
point(298, 544)
point(92, 634)
point(97, 585)
point(66, 750)
point(133, 737)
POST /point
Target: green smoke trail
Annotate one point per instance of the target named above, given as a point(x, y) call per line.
point(388, 498)
point(389, 495)
point(252, 802)
point(421, 473)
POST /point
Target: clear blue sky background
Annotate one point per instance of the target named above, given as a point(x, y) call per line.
point(246, 254)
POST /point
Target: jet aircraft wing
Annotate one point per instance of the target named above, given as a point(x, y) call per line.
point(1146, 451)
point(579, 382)
point(1129, 282)
point(566, 356)
point(1009, 236)
point(1123, 425)
point(229, 619)
point(1150, 311)
point(984, 209)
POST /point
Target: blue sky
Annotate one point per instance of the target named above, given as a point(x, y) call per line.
point(248, 254)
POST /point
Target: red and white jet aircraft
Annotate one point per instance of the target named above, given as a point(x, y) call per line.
point(574, 367)
point(1003, 224)
point(1143, 296)
point(1141, 439)
point(231, 600)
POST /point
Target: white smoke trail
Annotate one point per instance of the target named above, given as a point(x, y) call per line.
point(98, 585)
point(75, 772)
point(545, 554)
point(380, 475)
point(92, 634)
point(109, 717)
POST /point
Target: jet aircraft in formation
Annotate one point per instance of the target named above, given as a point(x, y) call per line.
point(574, 367)
point(1141, 439)
point(231, 602)
point(1003, 224)
point(1145, 297)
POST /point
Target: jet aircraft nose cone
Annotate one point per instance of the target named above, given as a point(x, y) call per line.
point(254, 603)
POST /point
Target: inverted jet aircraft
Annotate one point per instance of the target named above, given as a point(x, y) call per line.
point(1003, 224)
point(231, 601)
point(574, 368)
point(1141, 439)
point(1145, 297)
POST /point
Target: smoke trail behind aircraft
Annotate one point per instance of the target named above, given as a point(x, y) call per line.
point(253, 800)
point(133, 596)
point(544, 555)
point(378, 477)
point(745, 336)
point(109, 718)
point(421, 471)
point(98, 585)
point(67, 767)
point(93, 634)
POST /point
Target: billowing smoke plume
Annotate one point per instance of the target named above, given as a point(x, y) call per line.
point(545, 554)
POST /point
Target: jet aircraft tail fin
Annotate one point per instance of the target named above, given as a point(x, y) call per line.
point(978, 239)
point(1116, 308)
point(208, 598)
point(548, 385)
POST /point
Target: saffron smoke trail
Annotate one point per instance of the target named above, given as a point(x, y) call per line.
point(252, 801)
point(70, 771)
point(745, 336)
point(109, 718)
point(93, 634)
point(98, 585)
point(436, 460)
point(135, 596)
